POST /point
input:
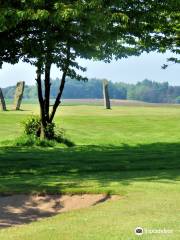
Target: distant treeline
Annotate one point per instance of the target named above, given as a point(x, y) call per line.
point(148, 91)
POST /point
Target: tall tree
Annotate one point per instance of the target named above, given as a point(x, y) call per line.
point(60, 32)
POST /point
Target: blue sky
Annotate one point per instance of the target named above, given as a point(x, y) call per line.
point(129, 70)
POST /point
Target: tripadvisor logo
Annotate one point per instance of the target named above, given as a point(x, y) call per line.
point(139, 231)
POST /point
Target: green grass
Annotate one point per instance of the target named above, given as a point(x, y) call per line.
point(131, 151)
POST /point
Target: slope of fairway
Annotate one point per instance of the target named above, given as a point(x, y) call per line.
point(131, 151)
point(97, 126)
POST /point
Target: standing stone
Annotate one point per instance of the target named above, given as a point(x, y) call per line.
point(18, 95)
point(107, 104)
point(2, 101)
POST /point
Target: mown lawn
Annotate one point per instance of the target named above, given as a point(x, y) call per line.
point(131, 151)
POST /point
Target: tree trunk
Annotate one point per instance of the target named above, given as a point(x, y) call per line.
point(44, 102)
point(41, 104)
point(47, 86)
point(43, 132)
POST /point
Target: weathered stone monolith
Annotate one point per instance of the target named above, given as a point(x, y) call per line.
point(18, 95)
point(107, 103)
point(2, 101)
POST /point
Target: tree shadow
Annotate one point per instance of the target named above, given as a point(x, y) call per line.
point(23, 209)
point(76, 169)
point(56, 169)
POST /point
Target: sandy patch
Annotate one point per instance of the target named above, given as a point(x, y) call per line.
point(21, 209)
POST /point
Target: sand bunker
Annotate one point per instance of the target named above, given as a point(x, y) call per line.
point(21, 209)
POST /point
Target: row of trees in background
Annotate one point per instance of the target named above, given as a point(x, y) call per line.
point(148, 91)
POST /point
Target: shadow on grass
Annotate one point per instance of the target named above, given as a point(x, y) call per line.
point(55, 170)
point(22, 209)
point(79, 169)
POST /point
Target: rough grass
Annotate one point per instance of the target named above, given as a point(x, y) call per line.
point(131, 151)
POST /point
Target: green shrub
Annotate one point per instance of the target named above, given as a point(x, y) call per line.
point(60, 138)
point(50, 130)
point(32, 126)
point(32, 130)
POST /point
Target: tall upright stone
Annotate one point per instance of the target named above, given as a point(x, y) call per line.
point(18, 95)
point(2, 101)
point(107, 103)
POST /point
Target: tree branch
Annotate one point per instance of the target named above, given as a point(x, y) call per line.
point(61, 88)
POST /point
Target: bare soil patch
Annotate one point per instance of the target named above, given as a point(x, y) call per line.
point(22, 209)
point(114, 102)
